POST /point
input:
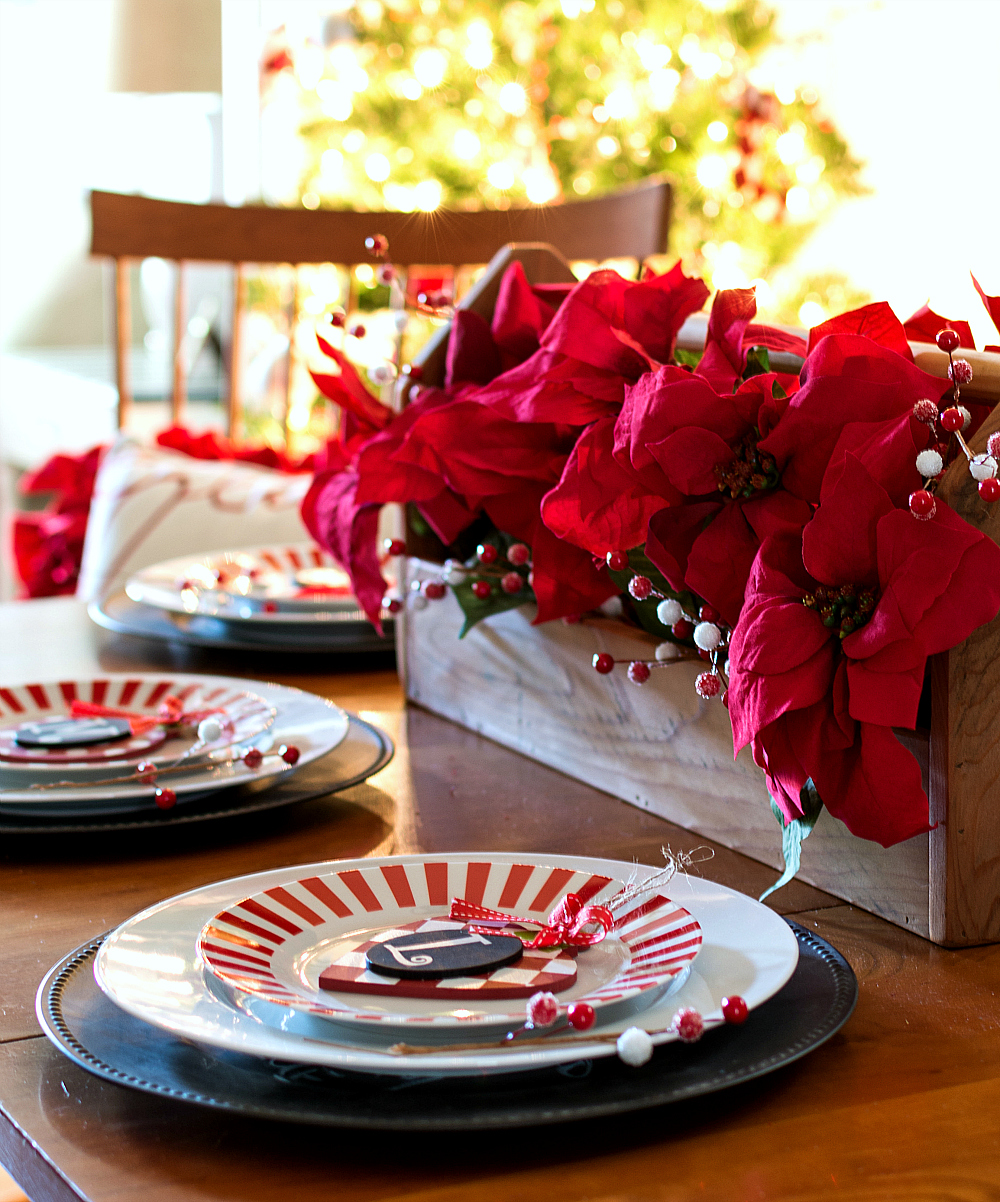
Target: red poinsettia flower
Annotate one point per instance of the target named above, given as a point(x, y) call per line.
point(830, 649)
point(925, 324)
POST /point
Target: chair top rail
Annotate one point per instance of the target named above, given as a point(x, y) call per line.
point(630, 223)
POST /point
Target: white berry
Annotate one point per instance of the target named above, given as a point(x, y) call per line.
point(966, 417)
point(209, 729)
point(929, 463)
point(670, 611)
point(401, 321)
point(707, 636)
point(382, 373)
point(667, 651)
point(635, 1046)
point(982, 467)
point(418, 601)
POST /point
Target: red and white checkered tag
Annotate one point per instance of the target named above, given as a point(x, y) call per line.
point(551, 970)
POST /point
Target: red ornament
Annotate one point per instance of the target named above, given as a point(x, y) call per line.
point(270, 607)
point(394, 546)
point(989, 490)
point(617, 561)
point(146, 772)
point(511, 582)
point(414, 371)
point(253, 758)
point(948, 340)
point(377, 245)
point(487, 553)
point(640, 587)
point(922, 504)
point(518, 554)
point(735, 1009)
point(638, 672)
point(707, 684)
point(603, 663)
point(357, 330)
point(708, 613)
point(290, 754)
point(960, 370)
point(682, 629)
point(689, 1025)
point(165, 799)
point(481, 589)
point(581, 1016)
point(952, 420)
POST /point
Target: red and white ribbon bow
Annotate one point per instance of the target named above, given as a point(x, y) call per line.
point(571, 922)
point(170, 713)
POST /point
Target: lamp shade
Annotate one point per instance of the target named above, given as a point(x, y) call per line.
point(167, 46)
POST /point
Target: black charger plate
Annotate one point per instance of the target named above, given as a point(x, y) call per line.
point(121, 614)
point(366, 751)
point(92, 1031)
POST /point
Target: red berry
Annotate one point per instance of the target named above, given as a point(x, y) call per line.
point(165, 799)
point(377, 244)
point(952, 420)
point(336, 318)
point(960, 371)
point(603, 663)
point(688, 1024)
point(511, 582)
point(735, 1009)
point(253, 758)
point(725, 699)
point(146, 771)
point(487, 553)
point(617, 561)
point(386, 273)
point(989, 490)
point(518, 554)
point(290, 754)
point(414, 371)
point(640, 587)
point(948, 340)
point(708, 613)
point(392, 604)
point(542, 1009)
point(434, 590)
point(707, 684)
point(270, 607)
point(394, 546)
point(357, 330)
point(481, 589)
point(705, 655)
point(581, 1016)
point(922, 504)
point(682, 629)
point(993, 445)
point(638, 672)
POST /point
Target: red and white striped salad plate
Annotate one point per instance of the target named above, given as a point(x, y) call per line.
point(247, 713)
point(274, 945)
point(151, 966)
point(298, 583)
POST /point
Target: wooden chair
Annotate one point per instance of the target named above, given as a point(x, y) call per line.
point(631, 223)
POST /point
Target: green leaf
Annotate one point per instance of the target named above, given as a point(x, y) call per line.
point(645, 611)
point(794, 833)
point(498, 602)
point(758, 362)
point(687, 358)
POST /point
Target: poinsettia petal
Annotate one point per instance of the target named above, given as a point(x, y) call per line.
point(583, 328)
point(720, 560)
point(520, 316)
point(447, 514)
point(925, 324)
point(672, 534)
point(655, 309)
point(776, 512)
point(786, 776)
point(722, 363)
point(550, 387)
point(598, 504)
point(884, 691)
point(689, 458)
point(876, 322)
point(774, 339)
point(472, 354)
point(887, 449)
point(840, 544)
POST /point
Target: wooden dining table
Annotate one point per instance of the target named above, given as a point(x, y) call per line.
point(902, 1104)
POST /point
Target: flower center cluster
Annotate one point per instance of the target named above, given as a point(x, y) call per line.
point(846, 608)
point(749, 470)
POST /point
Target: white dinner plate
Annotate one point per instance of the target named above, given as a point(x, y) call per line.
point(248, 715)
point(150, 967)
point(276, 944)
point(266, 585)
point(312, 724)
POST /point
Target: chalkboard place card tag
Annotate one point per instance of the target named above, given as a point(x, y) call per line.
point(59, 733)
point(434, 955)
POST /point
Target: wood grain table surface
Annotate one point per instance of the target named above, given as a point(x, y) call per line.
point(903, 1104)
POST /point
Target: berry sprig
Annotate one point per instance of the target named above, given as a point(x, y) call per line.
point(705, 629)
point(490, 570)
point(953, 420)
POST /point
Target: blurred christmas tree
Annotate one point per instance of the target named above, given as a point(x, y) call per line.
point(464, 103)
